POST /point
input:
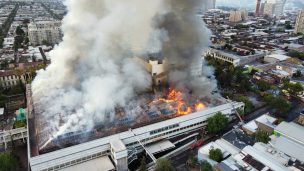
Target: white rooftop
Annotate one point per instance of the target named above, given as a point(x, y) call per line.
point(266, 119)
point(264, 158)
point(117, 145)
point(279, 57)
point(160, 146)
point(288, 147)
point(99, 164)
point(291, 130)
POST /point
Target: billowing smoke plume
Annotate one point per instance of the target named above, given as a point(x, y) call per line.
point(92, 70)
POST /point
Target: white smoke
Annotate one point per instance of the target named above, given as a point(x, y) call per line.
point(92, 70)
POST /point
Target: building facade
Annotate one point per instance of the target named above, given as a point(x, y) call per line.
point(274, 7)
point(235, 16)
point(10, 79)
point(299, 27)
point(44, 32)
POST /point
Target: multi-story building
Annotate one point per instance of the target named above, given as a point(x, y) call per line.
point(274, 7)
point(11, 78)
point(299, 28)
point(235, 16)
point(209, 4)
point(44, 32)
point(233, 58)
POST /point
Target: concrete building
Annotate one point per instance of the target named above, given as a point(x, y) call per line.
point(257, 8)
point(233, 58)
point(299, 27)
point(274, 7)
point(10, 79)
point(275, 58)
point(209, 4)
point(120, 146)
point(44, 31)
point(235, 16)
point(264, 123)
point(288, 138)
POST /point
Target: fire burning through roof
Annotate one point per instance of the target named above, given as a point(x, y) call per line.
point(176, 98)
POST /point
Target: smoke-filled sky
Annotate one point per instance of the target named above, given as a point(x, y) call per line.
point(92, 70)
point(250, 4)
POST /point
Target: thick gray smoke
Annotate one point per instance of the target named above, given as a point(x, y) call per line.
point(187, 39)
point(92, 70)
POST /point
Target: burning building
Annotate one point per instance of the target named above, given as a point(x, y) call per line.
point(97, 99)
point(165, 119)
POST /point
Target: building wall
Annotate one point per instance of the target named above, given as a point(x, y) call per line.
point(299, 27)
point(235, 16)
point(8, 81)
point(221, 56)
point(47, 30)
point(268, 9)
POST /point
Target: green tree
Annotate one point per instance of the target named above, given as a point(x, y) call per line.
point(143, 164)
point(281, 105)
point(19, 31)
point(263, 85)
point(293, 89)
point(8, 162)
point(215, 154)
point(206, 166)
point(163, 165)
point(298, 74)
point(248, 104)
point(45, 42)
point(262, 137)
point(217, 123)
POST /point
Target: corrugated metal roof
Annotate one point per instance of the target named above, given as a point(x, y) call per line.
point(291, 130)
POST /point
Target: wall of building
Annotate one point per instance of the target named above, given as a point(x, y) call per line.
point(44, 31)
point(299, 27)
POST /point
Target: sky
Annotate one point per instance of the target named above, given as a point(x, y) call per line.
point(251, 3)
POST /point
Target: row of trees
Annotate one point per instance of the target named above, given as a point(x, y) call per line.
point(7, 24)
point(296, 54)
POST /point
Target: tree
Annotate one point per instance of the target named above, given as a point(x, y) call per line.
point(45, 42)
point(8, 162)
point(206, 166)
point(217, 123)
point(215, 154)
point(163, 165)
point(19, 31)
point(192, 161)
point(143, 164)
point(262, 137)
point(248, 104)
point(281, 105)
point(298, 74)
point(263, 85)
point(293, 89)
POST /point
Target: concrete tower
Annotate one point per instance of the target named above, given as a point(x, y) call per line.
point(257, 9)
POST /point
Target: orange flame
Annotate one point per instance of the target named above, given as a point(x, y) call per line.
point(199, 106)
point(177, 97)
